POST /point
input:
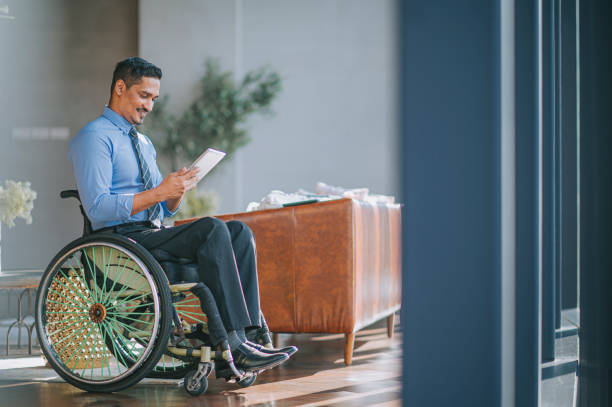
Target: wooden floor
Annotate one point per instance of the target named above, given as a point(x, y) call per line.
point(315, 376)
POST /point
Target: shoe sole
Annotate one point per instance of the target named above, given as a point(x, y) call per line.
point(226, 373)
point(261, 369)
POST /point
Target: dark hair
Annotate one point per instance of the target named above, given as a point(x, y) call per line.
point(132, 69)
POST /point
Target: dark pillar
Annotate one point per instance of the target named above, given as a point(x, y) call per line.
point(527, 152)
point(595, 356)
point(451, 306)
point(548, 180)
point(569, 170)
point(558, 160)
point(470, 188)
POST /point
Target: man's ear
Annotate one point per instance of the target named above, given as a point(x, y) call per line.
point(120, 87)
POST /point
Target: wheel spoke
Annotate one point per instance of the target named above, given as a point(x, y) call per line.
point(80, 320)
point(134, 319)
point(63, 321)
point(187, 300)
point(79, 351)
point(78, 331)
point(105, 359)
point(117, 352)
point(136, 352)
point(110, 292)
point(92, 355)
point(83, 280)
point(91, 271)
point(191, 314)
point(75, 291)
point(65, 305)
point(119, 313)
point(130, 300)
point(126, 285)
point(129, 328)
point(122, 339)
point(105, 272)
point(142, 304)
point(67, 312)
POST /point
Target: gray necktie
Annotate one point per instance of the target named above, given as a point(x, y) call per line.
point(153, 211)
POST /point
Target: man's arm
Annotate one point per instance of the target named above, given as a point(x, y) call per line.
point(90, 157)
point(171, 190)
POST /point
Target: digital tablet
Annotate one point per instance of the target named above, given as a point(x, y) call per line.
point(207, 161)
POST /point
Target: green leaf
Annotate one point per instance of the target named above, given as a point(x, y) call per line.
point(216, 116)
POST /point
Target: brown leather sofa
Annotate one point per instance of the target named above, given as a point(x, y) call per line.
point(327, 267)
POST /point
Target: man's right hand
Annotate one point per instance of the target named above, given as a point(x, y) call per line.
point(171, 190)
point(177, 183)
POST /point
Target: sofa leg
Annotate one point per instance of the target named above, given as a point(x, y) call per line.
point(390, 323)
point(349, 342)
point(275, 339)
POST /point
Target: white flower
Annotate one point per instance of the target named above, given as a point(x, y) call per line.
point(16, 199)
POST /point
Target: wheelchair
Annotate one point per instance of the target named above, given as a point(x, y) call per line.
point(109, 313)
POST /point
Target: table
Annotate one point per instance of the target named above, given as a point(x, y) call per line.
point(27, 281)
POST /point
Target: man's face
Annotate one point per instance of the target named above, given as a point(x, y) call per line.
point(135, 102)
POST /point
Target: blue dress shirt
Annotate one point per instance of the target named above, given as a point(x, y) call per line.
point(106, 169)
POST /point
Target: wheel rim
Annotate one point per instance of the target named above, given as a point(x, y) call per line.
point(96, 296)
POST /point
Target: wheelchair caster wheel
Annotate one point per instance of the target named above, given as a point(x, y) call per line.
point(248, 381)
point(194, 386)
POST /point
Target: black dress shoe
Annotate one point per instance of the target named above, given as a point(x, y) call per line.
point(250, 359)
point(289, 350)
point(260, 336)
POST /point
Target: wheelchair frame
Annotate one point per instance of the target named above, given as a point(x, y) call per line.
point(105, 304)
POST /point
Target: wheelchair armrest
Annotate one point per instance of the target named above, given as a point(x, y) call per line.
point(70, 193)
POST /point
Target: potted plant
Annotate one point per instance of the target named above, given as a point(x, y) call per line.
point(215, 118)
point(16, 200)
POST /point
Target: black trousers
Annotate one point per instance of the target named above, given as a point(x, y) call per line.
point(226, 258)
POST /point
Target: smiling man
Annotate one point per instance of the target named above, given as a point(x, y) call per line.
point(123, 191)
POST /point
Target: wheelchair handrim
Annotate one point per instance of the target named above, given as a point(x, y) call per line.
point(47, 344)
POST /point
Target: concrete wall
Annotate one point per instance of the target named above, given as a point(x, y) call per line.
point(335, 120)
point(56, 62)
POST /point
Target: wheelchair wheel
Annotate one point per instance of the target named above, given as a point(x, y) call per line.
point(100, 291)
point(193, 386)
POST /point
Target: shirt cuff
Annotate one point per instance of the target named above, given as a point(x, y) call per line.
point(167, 211)
point(125, 203)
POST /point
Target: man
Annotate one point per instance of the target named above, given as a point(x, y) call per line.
point(123, 191)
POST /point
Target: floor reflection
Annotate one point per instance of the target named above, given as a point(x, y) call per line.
point(315, 376)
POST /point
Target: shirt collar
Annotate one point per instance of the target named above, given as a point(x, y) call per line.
point(117, 119)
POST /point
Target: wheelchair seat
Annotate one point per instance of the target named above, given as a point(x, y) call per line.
point(177, 269)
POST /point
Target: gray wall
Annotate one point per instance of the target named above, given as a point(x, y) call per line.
point(335, 120)
point(56, 62)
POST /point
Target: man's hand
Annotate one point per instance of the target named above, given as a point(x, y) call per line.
point(171, 190)
point(177, 183)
